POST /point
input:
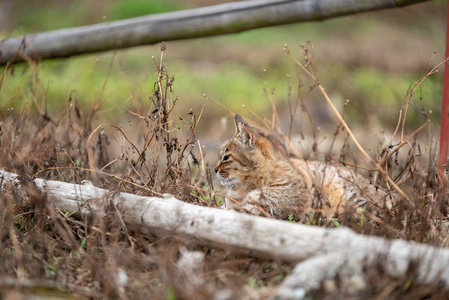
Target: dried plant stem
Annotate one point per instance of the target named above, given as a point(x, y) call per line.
point(356, 142)
point(203, 170)
point(273, 101)
point(222, 106)
point(410, 92)
point(98, 103)
point(104, 174)
point(159, 75)
point(21, 273)
point(404, 142)
point(90, 153)
point(311, 73)
point(5, 72)
point(133, 97)
point(34, 67)
point(262, 121)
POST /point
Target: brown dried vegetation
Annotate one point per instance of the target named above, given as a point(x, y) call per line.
point(100, 257)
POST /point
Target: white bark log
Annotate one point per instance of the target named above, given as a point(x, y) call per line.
point(310, 274)
point(323, 251)
point(186, 24)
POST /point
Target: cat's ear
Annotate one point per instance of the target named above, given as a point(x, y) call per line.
point(245, 130)
point(238, 119)
point(247, 134)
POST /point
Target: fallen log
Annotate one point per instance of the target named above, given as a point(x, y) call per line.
point(319, 249)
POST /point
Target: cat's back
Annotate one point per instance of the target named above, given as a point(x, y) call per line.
point(336, 187)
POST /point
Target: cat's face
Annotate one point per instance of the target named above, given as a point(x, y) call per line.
point(234, 163)
point(242, 157)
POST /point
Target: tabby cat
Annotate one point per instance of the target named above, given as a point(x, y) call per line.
point(263, 180)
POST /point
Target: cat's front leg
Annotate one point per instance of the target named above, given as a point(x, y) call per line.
point(253, 197)
point(250, 203)
point(253, 203)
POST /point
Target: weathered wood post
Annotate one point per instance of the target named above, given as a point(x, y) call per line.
point(444, 134)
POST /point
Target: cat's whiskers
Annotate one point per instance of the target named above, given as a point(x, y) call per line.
point(230, 183)
point(217, 143)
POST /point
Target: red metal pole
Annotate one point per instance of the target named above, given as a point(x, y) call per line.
point(444, 134)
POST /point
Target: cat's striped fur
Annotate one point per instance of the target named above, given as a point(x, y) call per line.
point(263, 179)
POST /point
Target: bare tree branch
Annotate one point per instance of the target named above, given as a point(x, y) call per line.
point(186, 24)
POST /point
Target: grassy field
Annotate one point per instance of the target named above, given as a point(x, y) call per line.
point(369, 59)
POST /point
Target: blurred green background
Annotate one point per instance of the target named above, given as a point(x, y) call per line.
point(370, 59)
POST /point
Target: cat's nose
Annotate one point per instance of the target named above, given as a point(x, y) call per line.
point(215, 170)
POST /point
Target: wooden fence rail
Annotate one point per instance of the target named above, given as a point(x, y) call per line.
point(192, 23)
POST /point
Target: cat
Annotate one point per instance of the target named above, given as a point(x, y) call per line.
point(262, 179)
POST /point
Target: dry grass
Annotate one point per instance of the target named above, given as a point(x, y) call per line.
point(159, 152)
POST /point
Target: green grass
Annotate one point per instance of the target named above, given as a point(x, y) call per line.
point(232, 84)
point(226, 68)
point(35, 16)
point(83, 78)
point(123, 9)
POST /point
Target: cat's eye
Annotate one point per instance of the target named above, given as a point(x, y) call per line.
point(226, 157)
